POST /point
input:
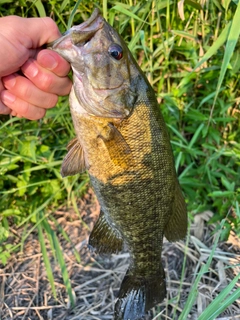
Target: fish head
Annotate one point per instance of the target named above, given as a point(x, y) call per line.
point(104, 72)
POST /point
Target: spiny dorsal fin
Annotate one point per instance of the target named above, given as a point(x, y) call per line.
point(118, 149)
point(74, 161)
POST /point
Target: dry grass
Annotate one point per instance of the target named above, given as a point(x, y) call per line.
point(25, 292)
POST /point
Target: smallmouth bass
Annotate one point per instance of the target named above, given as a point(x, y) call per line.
point(123, 143)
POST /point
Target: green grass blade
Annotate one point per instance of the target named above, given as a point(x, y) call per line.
point(49, 232)
point(40, 8)
point(57, 251)
point(63, 5)
point(196, 135)
point(127, 12)
point(216, 45)
point(177, 133)
point(66, 237)
point(63, 267)
point(232, 40)
point(182, 274)
point(184, 34)
point(194, 291)
point(70, 20)
point(46, 260)
point(105, 10)
point(223, 300)
point(230, 46)
point(36, 211)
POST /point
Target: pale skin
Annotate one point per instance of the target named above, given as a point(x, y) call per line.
point(31, 78)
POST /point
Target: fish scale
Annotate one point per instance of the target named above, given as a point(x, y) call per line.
point(123, 143)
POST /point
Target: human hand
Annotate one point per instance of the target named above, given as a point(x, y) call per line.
point(43, 75)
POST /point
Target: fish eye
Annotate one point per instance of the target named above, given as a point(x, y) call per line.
point(116, 51)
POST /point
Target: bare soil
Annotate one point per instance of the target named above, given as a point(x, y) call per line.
point(25, 293)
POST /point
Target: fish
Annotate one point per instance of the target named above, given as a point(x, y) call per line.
point(123, 143)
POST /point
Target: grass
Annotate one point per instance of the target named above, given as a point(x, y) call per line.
point(190, 54)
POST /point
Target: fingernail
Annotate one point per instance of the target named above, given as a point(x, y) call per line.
point(47, 61)
point(7, 97)
point(9, 81)
point(30, 69)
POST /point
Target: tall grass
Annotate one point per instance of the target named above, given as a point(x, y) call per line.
point(190, 54)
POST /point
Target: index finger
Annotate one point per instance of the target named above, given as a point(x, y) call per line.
point(32, 33)
point(52, 61)
point(49, 30)
point(3, 109)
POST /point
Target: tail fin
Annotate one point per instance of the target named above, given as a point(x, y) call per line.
point(138, 295)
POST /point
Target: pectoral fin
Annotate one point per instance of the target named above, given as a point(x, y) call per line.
point(74, 161)
point(118, 149)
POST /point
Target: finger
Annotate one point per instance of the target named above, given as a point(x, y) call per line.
point(22, 88)
point(49, 30)
point(15, 114)
point(3, 109)
point(21, 108)
point(31, 32)
point(46, 80)
point(52, 61)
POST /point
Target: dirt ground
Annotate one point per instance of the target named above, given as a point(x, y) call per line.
point(25, 293)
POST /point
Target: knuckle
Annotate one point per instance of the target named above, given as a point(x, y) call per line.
point(49, 22)
point(50, 101)
point(45, 82)
point(53, 101)
point(38, 115)
point(26, 92)
point(31, 112)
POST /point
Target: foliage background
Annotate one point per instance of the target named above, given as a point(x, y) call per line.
point(200, 106)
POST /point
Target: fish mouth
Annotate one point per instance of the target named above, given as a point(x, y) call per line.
point(78, 35)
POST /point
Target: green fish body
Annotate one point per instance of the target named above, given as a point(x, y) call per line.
point(123, 143)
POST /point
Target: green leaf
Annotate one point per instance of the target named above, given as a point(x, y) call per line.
point(221, 194)
point(228, 185)
point(193, 4)
point(28, 149)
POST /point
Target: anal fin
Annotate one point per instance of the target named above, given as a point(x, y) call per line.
point(176, 227)
point(105, 238)
point(138, 294)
